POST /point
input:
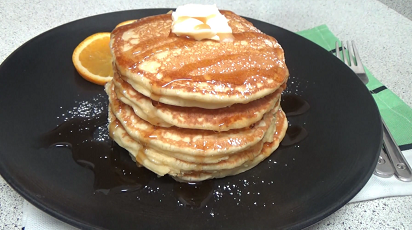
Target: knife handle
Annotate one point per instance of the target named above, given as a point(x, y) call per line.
point(402, 169)
point(384, 167)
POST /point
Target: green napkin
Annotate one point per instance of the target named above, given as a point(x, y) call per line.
point(397, 114)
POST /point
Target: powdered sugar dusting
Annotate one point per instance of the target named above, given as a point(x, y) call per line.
point(97, 106)
point(87, 109)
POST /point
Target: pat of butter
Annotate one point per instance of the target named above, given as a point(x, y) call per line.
point(200, 22)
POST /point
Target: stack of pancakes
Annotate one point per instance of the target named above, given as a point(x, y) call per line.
point(196, 109)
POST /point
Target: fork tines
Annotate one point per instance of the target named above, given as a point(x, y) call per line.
point(350, 56)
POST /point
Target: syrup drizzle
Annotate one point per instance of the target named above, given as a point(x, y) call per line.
point(194, 195)
point(116, 173)
point(168, 41)
point(294, 134)
point(294, 105)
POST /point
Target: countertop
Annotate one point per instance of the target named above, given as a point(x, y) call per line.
point(383, 36)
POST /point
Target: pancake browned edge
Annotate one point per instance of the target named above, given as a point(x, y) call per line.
point(207, 74)
point(196, 110)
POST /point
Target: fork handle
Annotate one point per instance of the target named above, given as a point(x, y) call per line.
point(402, 169)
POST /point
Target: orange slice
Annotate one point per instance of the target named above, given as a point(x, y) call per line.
point(93, 60)
point(125, 23)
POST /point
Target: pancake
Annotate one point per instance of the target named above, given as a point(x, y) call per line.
point(186, 171)
point(266, 151)
point(207, 74)
point(197, 98)
point(159, 114)
point(188, 141)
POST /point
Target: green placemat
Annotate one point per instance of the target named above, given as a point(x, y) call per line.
point(397, 114)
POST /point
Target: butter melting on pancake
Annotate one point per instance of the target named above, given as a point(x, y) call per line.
point(207, 74)
point(201, 108)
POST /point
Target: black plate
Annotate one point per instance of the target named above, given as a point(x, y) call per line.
point(296, 187)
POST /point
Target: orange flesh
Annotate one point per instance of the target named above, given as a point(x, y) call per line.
point(96, 56)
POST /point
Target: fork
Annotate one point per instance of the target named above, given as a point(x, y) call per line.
point(400, 168)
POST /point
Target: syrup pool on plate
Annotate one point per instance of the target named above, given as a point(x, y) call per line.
point(86, 134)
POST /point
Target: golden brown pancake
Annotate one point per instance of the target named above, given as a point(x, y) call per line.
point(196, 110)
point(188, 141)
point(233, 117)
point(188, 73)
point(185, 171)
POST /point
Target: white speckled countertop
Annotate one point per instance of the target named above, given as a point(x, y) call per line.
point(383, 39)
